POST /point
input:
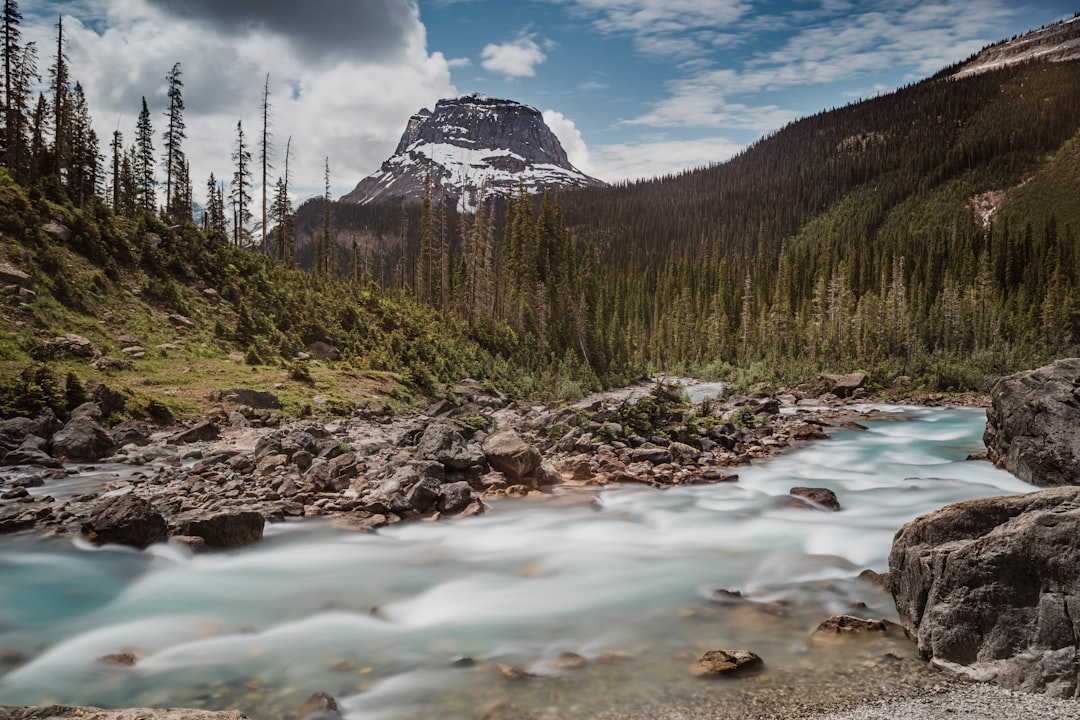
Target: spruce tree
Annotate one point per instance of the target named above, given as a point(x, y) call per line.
point(240, 192)
point(61, 107)
point(264, 154)
point(172, 141)
point(144, 160)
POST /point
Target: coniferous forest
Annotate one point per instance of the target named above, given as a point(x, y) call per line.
point(930, 233)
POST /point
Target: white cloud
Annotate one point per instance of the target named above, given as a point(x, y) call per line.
point(662, 157)
point(337, 107)
point(570, 138)
point(517, 58)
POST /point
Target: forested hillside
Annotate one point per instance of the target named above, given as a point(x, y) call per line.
point(930, 232)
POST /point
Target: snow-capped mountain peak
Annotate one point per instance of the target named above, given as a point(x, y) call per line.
point(472, 146)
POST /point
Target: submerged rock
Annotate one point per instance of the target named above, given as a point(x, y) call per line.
point(818, 497)
point(991, 588)
point(726, 662)
point(1032, 421)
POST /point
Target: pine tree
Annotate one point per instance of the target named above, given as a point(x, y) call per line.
point(20, 78)
point(264, 154)
point(11, 57)
point(144, 160)
point(84, 172)
point(117, 147)
point(240, 192)
point(61, 107)
point(214, 219)
point(324, 245)
point(172, 141)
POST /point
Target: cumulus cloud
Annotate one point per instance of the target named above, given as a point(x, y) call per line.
point(570, 138)
point(632, 161)
point(337, 107)
point(366, 30)
point(514, 59)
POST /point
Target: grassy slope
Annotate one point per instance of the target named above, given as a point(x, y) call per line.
point(249, 317)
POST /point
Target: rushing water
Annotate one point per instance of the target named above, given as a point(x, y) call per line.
point(623, 578)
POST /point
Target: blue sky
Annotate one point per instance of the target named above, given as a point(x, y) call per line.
point(634, 88)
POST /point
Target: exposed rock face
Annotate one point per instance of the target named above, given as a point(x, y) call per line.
point(991, 588)
point(1031, 425)
point(1057, 43)
point(125, 520)
point(468, 144)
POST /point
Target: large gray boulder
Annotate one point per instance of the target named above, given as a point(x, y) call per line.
point(1031, 425)
point(226, 529)
point(991, 588)
point(125, 520)
point(83, 439)
point(509, 454)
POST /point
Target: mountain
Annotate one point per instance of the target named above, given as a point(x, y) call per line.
point(1055, 43)
point(468, 146)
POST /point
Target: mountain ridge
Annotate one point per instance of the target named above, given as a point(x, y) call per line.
point(471, 146)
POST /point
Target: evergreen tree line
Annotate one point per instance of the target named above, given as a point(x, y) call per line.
point(47, 141)
point(847, 240)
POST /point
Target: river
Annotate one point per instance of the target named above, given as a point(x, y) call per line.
point(415, 620)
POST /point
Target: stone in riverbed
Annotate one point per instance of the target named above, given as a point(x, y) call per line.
point(818, 497)
point(125, 520)
point(849, 626)
point(843, 386)
point(726, 662)
point(509, 454)
point(226, 529)
point(1032, 421)
point(991, 588)
point(83, 439)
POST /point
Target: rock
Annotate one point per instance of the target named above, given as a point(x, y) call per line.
point(73, 345)
point(849, 625)
point(1031, 424)
point(10, 275)
point(83, 439)
point(14, 431)
point(110, 401)
point(882, 580)
point(843, 386)
point(509, 454)
point(125, 659)
point(124, 520)
point(443, 443)
point(819, 497)
point(991, 588)
point(726, 662)
point(454, 497)
point(199, 432)
point(106, 363)
point(57, 232)
point(258, 399)
point(226, 529)
point(131, 432)
point(323, 351)
point(425, 495)
point(650, 453)
point(30, 455)
point(320, 706)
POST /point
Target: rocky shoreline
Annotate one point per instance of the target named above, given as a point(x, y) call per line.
point(214, 484)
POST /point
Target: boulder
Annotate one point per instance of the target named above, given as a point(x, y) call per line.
point(323, 351)
point(125, 520)
point(726, 662)
point(849, 625)
point(83, 439)
point(73, 345)
point(258, 399)
point(991, 588)
point(443, 443)
point(650, 453)
point(454, 497)
point(509, 454)
point(57, 231)
point(196, 433)
point(1031, 424)
point(14, 431)
point(30, 454)
point(819, 497)
point(226, 529)
point(10, 275)
point(843, 386)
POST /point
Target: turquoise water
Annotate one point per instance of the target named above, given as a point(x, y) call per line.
point(622, 578)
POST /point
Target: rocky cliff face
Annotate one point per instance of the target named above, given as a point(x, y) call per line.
point(1057, 43)
point(472, 146)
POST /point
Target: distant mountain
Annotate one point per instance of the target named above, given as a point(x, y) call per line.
point(1056, 43)
point(468, 146)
